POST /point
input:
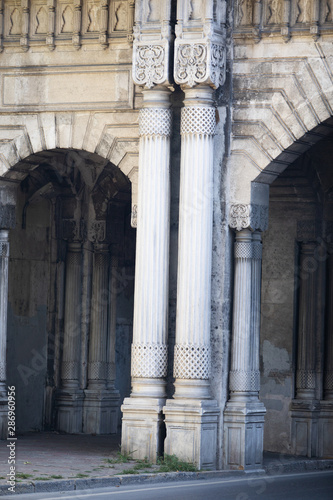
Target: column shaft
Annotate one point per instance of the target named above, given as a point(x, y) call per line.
point(328, 377)
point(149, 348)
point(4, 261)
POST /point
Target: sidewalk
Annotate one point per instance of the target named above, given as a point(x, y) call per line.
point(50, 461)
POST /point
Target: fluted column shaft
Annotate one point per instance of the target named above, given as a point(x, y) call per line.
point(149, 349)
point(112, 324)
point(306, 348)
point(4, 261)
point(192, 349)
point(70, 370)
point(328, 377)
point(244, 373)
point(99, 318)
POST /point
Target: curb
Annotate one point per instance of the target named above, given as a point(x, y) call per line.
point(102, 482)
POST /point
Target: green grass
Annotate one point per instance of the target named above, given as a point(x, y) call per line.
point(54, 476)
point(42, 479)
point(122, 458)
point(21, 475)
point(81, 475)
point(171, 463)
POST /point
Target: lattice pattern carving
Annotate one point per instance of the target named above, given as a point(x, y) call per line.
point(329, 381)
point(306, 379)
point(243, 250)
point(256, 250)
point(149, 360)
point(69, 370)
point(97, 370)
point(192, 361)
point(155, 121)
point(198, 120)
point(4, 249)
point(2, 371)
point(244, 381)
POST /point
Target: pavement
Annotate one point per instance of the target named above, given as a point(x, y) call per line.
point(50, 461)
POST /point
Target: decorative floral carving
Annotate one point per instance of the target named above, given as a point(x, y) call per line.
point(253, 217)
point(202, 62)
point(97, 231)
point(134, 216)
point(149, 65)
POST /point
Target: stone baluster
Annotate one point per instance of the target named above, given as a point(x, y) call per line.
point(244, 413)
point(24, 41)
point(149, 347)
point(70, 396)
point(76, 38)
point(51, 25)
point(103, 23)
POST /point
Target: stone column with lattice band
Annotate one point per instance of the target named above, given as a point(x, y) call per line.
point(100, 409)
point(70, 396)
point(244, 413)
point(305, 408)
point(149, 347)
point(191, 417)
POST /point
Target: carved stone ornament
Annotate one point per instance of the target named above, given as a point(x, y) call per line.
point(253, 217)
point(150, 63)
point(199, 62)
point(134, 216)
point(97, 231)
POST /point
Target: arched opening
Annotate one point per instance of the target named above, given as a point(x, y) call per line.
point(70, 301)
point(296, 309)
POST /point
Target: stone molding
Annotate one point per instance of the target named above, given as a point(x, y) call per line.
point(252, 216)
point(155, 121)
point(199, 62)
point(149, 360)
point(192, 361)
point(198, 120)
point(7, 216)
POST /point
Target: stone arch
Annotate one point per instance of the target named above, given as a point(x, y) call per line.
point(283, 104)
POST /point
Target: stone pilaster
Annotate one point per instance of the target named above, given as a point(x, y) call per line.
point(244, 413)
point(191, 417)
point(70, 396)
point(142, 429)
point(305, 407)
point(100, 404)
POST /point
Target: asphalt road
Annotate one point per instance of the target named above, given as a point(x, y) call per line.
point(300, 486)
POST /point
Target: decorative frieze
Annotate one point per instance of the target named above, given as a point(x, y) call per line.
point(242, 216)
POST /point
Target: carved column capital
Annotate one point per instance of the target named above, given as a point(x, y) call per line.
point(151, 63)
point(248, 216)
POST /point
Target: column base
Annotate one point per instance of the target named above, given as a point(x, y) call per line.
point(243, 434)
point(3, 418)
point(100, 411)
point(304, 427)
point(325, 429)
point(143, 428)
point(191, 428)
point(69, 410)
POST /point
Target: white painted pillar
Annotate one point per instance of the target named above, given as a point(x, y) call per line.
point(4, 261)
point(244, 413)
point(70, 396)
point(143, 410)
point(191, 417)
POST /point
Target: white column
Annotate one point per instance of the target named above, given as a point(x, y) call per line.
point(244, 413)
point(71, 395)
point(191, 417)
point(142, 412)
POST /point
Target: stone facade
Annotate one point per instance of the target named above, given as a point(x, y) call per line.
point(166, 224)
